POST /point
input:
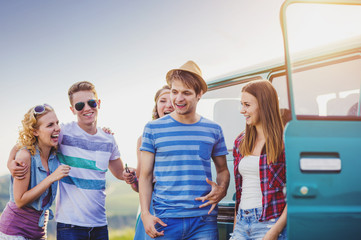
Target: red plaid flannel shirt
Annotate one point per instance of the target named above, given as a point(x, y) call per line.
point(273, 179)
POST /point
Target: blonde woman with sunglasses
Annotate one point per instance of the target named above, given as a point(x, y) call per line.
point(28, 211)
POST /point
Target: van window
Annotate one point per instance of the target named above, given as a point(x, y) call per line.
point(324, 53)
point(223, 106)
point(279, 82)
point(329, 89)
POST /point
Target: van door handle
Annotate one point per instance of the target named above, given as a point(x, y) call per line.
point(320, 162)
point(305, 191)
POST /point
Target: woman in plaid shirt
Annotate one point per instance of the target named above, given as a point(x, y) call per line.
point(260, 177)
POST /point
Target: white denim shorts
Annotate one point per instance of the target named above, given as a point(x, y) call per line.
point(4, 236)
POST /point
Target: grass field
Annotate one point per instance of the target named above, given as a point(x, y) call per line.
point(121, 199)
point(121, 206)
point(125, 234)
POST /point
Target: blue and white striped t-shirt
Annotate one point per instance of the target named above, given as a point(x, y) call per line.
point(81, 198)
point(182, 163)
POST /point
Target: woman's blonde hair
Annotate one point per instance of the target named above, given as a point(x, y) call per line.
point(155, 114)
point(27, 139)
point(270, 119)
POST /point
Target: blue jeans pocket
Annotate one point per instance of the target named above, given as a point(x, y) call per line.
point(208, 219)
point(159, 227)
point(63, 226)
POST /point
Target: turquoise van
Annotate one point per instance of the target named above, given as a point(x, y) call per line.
point(319, 93)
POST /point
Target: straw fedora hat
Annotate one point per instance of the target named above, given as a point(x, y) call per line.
point(193, 68)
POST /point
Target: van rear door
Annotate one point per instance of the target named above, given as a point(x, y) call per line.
point(323, 139)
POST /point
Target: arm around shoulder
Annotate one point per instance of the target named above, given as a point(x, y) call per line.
point(17, 168)
point(12, 156)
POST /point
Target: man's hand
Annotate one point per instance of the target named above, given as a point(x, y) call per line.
point(18, 169)
point(215, 196)
point(129, 175)
point(108, 130)
point(149, 222)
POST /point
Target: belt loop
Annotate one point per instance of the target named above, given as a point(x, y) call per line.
point(239, 212)
point(258, 212)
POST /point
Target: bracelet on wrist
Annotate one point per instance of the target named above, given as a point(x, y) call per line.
point(135, 183)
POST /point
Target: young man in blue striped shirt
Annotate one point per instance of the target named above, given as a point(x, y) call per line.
point(177, 149)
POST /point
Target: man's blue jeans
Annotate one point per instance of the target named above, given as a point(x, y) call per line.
point(72, 232)
point(190, 228)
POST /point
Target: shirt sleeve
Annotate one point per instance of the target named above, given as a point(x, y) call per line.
point(148, 139)
point(115, 151)
point(220, 147)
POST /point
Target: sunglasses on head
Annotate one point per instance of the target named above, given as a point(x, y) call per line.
point(40, 109)
point(80, 105)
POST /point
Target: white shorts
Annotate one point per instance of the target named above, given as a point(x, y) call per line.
point(4, 236)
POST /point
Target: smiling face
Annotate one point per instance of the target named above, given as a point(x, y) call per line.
point(47, 130)
point(164, 104)
point(88, 115)
point(184, 98)
point(250, 109)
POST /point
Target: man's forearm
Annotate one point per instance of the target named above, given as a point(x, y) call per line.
point(12, 156)
point(145, 192)
point(223, 176)
point(223, 179)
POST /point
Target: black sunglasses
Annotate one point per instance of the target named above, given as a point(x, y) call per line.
point(80, 105)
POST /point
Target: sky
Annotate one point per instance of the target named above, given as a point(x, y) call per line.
point(125, 48)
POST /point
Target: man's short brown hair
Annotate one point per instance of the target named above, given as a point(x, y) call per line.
point(188, 79)
point(81, 86)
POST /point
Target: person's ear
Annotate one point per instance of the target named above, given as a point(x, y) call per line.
point(35, 133)
point(99, 103)
point(72, 109)
point(199, 96)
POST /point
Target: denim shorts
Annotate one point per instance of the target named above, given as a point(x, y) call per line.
point(200, 228)
point(4, 236)
point(249, 228)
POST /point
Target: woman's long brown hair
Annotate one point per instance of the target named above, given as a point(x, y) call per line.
point(270, 118)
